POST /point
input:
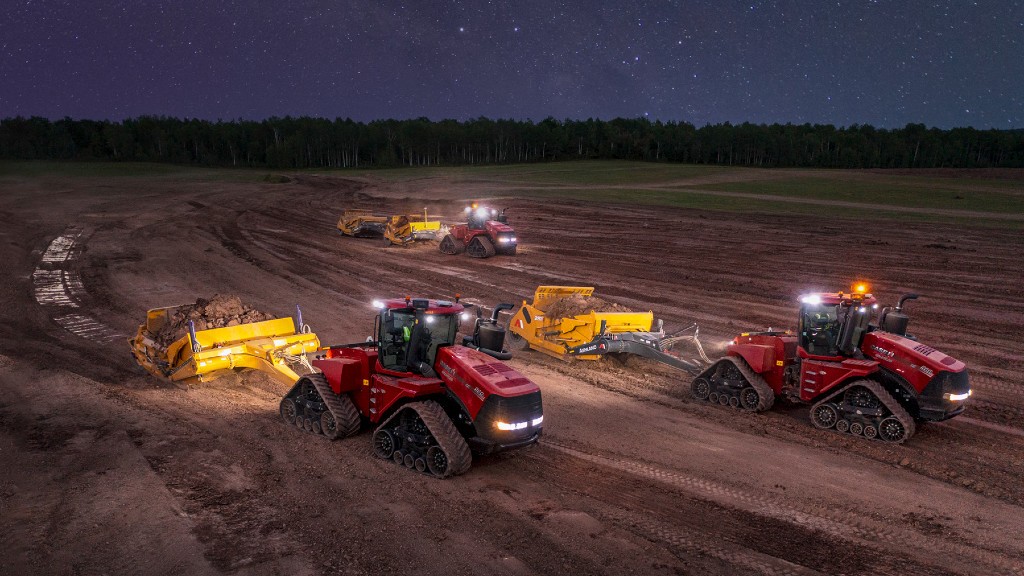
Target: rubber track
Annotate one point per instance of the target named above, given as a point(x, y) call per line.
point(441, 428)
point(887, 400)
point(767, 396)
point(344, 411)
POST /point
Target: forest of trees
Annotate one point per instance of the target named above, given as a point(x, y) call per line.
point(319, 143)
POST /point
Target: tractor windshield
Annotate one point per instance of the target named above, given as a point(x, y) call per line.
point(820, 326)
point(409, 337)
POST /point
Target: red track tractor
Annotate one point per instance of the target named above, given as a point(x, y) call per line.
point(433, 402)
point(866, 378)
point(485, 233)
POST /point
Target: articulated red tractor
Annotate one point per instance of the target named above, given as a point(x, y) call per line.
point(485, 233)
point(432, 402)
point(863, 377)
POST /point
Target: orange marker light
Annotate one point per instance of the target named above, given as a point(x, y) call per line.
point(860, 288)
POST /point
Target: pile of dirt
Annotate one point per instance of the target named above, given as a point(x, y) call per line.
point(576, 304)
point(217, 312)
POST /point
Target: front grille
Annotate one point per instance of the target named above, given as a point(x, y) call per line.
point(524, 408)
point(948, 383)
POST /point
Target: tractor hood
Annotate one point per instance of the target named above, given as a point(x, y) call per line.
point(916, 362)
point(474, 376)
point(496, 227)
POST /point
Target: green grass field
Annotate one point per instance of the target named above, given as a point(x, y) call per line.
point(859, 194)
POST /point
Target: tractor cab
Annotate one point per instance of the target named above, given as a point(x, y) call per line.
point(833, 324)
point(478, 216)
point(410, 331)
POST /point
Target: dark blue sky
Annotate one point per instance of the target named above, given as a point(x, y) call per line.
point(885, 62)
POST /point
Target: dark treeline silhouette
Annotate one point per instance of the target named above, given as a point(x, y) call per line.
point(319, 143)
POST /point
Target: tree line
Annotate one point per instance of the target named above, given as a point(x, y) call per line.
point(343, 143)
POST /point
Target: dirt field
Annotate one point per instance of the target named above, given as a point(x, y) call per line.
point(106, 470)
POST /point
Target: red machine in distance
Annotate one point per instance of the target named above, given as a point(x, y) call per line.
point(862, 377)
point(433, 402)
point(485, 233)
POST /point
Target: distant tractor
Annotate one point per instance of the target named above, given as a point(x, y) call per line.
point(485, 233)
point(432, 402)
point(865, 378)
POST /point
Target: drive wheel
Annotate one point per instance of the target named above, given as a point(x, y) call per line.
point(384, 444)
point(449, 245)
point(701, 388)
point(892, 430)
point(480, 247)
point(749, 398)
point(824, 416)
point(437, 461)
point(288, 410)
point(861, 397)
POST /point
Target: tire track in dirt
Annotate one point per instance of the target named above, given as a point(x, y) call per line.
point(848, 526)
point(58, 288)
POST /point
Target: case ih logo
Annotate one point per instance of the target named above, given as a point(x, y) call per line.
point(453, 376)
point(888, 354)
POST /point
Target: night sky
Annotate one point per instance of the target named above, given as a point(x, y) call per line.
point(885, 63)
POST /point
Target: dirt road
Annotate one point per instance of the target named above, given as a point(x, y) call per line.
point(104, 469)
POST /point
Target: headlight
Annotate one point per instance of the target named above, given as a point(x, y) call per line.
point(464, 316)
point(511, 425)
point(959, 397)
point(429, 319)
point(538, 420)
point(378, 304)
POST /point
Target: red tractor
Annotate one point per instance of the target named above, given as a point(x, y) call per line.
point(862, 377)
point(433, 402)
point(485, 233)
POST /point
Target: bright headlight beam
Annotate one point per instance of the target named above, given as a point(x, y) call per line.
point(960, 397)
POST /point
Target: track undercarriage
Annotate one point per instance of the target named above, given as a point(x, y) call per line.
point(864, 408)
point(730, 382)
point(312, 406)
point(421, 437)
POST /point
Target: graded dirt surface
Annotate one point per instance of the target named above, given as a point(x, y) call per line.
point(107, 470)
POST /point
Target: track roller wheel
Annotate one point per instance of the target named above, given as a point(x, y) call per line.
point(421, 465)
point(723, 399)
point(856, 428)
point(843, 425)
point(480, 247)
point(749, 398)
point(288, 410)
point(824, 416)
point(449, 245)
point(713, 397)
point(734, 401)
point(701, 389)
point(329, 426)
point(384, 444)
point(317, 429)
point(398, 457)
point(307, 424)
point(892, 430)
point(870, 432)
point(437, 461)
